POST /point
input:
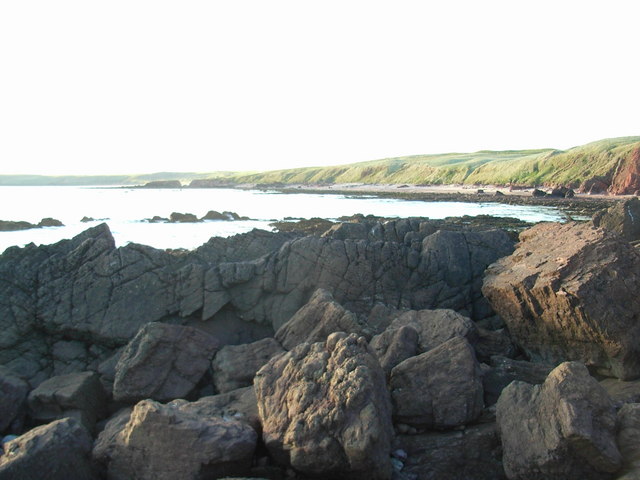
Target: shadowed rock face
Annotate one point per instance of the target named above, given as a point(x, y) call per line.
point(565, 295)
point(66, 307)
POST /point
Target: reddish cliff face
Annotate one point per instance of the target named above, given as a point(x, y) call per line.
point(626, 179)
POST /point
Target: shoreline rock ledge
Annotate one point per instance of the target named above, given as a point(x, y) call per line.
point(569, 292)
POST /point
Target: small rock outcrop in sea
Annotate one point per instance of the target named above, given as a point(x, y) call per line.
point(163, 184)
point(568, 292)
point(564, 428)
point(11, 225)
point(325, 409)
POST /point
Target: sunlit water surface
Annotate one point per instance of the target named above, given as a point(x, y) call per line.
point(124, 210)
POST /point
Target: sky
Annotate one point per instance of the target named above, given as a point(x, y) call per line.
point(116, 87)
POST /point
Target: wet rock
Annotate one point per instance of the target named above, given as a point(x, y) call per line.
point(439, 389)
point(435, 327)
point(234, 366)
point(393, 346)
point(320, 317)
point(622, 218)
point(325, 409)
point(77, 395)
point(352, 231)
point(13, 394)
point(568, 293)
point(57, 451)
point(564, 428)
point(470, 454)
point(505, 370)
point(210, 447)
point(163, 362)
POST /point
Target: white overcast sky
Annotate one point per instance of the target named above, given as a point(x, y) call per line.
point(98, 87)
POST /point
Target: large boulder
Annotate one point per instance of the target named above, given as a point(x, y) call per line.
point(439, 389)
point(78, 395)
point(57, 451)
point(13, 394)
point(234, 366)
point(161, 442)
point(470, 454)
point(325, 409)
point(319, 318)
point(622, 218)
point(163, 362)
point(435, 327)
point(569, 292)
point(562, 429)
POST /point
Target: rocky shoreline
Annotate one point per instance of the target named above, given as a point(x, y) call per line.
point(364, 349)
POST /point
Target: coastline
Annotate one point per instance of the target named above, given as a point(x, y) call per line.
point(580, 204)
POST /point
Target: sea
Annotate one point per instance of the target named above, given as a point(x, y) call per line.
point(127, 209)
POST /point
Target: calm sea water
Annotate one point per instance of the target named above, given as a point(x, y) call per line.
point(124, 210)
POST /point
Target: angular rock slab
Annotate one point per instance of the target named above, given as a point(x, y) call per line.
point(163, 362)
point(76, 394)
point(562, 429)
point(234, 366)
point(13, 393)
point(570, 292)
point(59, 450)
point(319, 318)
point(325, 409)
point(438, 389)
point(160, 442)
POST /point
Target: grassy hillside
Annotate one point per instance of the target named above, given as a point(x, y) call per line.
point(603, 159)
point(519, 167)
